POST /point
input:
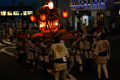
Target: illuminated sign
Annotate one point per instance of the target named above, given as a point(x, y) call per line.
point(81, 5)
point(88, 7)
point(87, 2)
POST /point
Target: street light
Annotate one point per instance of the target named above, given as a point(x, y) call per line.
point(12, 6)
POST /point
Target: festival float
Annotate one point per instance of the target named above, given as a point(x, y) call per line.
point(48, 17)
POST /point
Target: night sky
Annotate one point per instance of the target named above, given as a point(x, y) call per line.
point(17, 2)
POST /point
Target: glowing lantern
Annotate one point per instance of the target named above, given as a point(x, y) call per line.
point(50, 5)
point(56, 23)
point(40, 26)
point(65, 14)
point(32, 17)
point(43, 17)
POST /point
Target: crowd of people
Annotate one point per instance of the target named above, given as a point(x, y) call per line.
point(9, 30)
point(52, 56)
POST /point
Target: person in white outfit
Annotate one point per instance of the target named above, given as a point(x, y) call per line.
point(102, 54)
point(30, 52)
point(59, 54)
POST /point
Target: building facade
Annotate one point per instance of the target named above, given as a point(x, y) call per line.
point(94, 13)
point(88, 12)
point(12, 9)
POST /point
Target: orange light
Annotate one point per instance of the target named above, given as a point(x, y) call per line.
point(42, 25)
point(50, 5)
point(43, 17)
point(32, 17)
point(65, 14)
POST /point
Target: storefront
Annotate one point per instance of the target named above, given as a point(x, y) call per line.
point(89, 12)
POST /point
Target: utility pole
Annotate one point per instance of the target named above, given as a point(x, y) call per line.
point(34, 4)
point(22, 12)
point(12, 8)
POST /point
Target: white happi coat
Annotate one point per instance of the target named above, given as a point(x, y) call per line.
point(30, 46)
point(58, 51)
point(101, 48)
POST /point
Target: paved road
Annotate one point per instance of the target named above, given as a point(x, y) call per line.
point(10, 70)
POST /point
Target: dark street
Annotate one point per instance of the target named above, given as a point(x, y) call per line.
point(9, 69)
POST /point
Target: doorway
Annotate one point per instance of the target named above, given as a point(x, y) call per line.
point(100, 19)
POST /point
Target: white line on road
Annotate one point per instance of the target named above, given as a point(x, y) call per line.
point(10, 43)
point(4, 50)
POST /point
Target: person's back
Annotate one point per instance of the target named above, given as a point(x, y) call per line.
point(59, 54)
point(102, 54)
point(103, 45)
point(59, 50)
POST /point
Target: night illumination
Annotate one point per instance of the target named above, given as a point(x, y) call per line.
point(32, 17)
point(65, 14)
point(50, 5)
point(87, 2)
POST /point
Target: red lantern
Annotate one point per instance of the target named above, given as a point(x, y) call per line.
point(32, 17)
point(42, 17)
point(65, 14)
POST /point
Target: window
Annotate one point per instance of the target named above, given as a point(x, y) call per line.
point(9, 13)
point(16, 13)
point(100, 18)
point(25, 13)
point(29, 12)
point(3, 13)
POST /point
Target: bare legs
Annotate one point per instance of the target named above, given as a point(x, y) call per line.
point(104, 67)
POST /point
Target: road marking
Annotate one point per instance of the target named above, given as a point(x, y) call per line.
point(71, 76)
point(2, 44)
point(4, 50)
point(10, 43)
